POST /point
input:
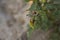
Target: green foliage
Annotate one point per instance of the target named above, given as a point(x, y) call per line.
point(46, 16)
point(26, 0)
